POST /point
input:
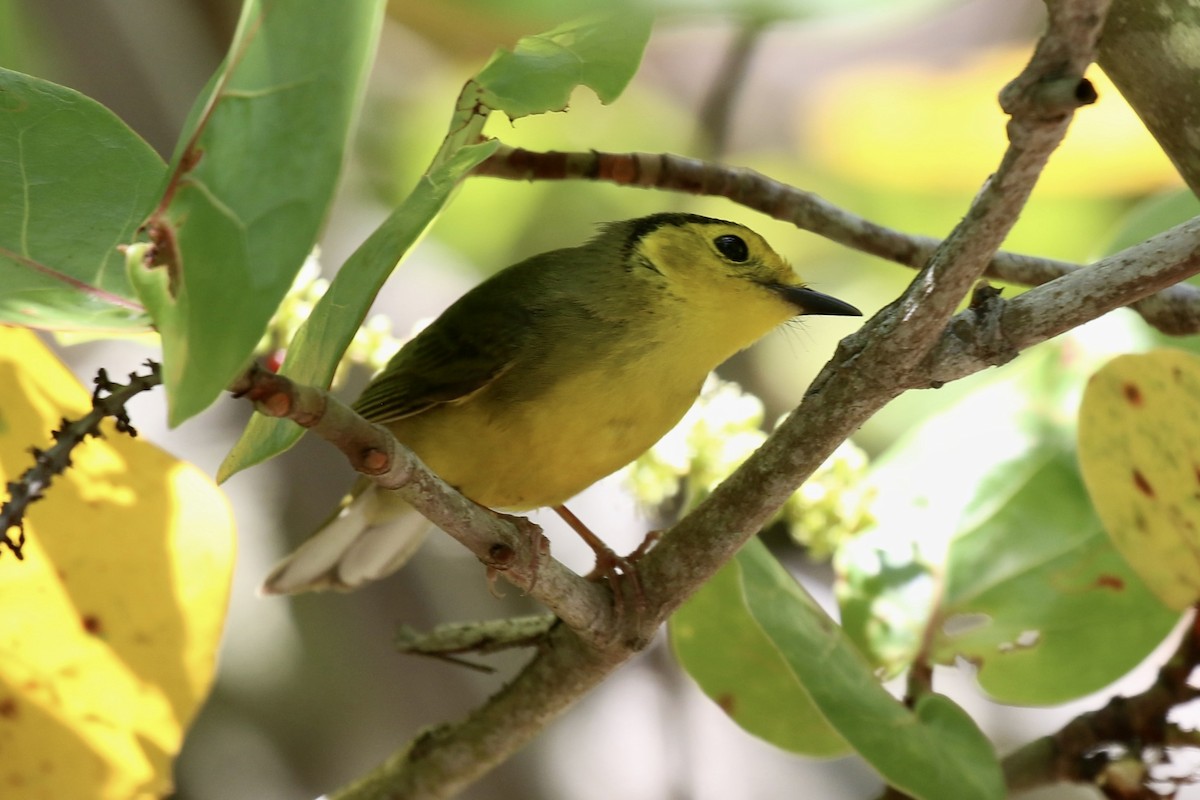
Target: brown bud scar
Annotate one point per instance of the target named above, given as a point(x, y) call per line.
point(375, 461)
point(500, 556)
point(278, 404)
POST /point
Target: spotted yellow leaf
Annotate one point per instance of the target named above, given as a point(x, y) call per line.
point(110, 626)
point(1139, 449)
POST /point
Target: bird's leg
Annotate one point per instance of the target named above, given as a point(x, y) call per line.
point(647, 544)
point(609, 564)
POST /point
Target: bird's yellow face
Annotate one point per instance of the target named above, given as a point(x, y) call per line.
point(723, 277)
point(698, 254)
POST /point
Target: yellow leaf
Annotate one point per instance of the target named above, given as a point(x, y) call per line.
point(110, 625)
point(1139, 449)
point(939, 127)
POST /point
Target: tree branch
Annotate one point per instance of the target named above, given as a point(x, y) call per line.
point(1146, 51)
point(746, 187)
point(455, 638)
point(979, 338)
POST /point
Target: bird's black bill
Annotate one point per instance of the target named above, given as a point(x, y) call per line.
point(810, 301)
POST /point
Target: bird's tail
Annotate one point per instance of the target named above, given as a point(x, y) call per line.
point(372, 535)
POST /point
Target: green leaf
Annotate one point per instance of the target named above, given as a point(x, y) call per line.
point(318, 345)
point(987, 549)
point(75, 182)
point(250, 185)
point(721, 646)
point(935, 751)
point(1139, 448)
point(538, 75)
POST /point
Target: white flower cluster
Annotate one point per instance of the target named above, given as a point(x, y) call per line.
point(717, 434)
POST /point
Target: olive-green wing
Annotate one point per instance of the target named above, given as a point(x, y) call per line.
point(460, 353)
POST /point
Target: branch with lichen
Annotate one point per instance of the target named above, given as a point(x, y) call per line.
point(450, 641)
point(108, 400)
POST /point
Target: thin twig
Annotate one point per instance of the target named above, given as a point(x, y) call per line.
point(1176, 311)
point(108, 400)
point(444, 760)
point(450, 641)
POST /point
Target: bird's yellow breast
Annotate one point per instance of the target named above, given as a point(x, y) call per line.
point(522, 455)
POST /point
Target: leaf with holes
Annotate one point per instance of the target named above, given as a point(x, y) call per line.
point(1139, 448)
point(539, 74)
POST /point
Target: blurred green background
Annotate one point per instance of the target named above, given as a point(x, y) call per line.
point(887, 109)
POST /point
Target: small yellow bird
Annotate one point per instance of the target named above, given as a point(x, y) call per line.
point(554, 373)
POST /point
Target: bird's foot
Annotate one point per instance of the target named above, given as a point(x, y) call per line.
point(618, 570)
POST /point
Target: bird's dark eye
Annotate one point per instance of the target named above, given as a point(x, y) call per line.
point(732, 247)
